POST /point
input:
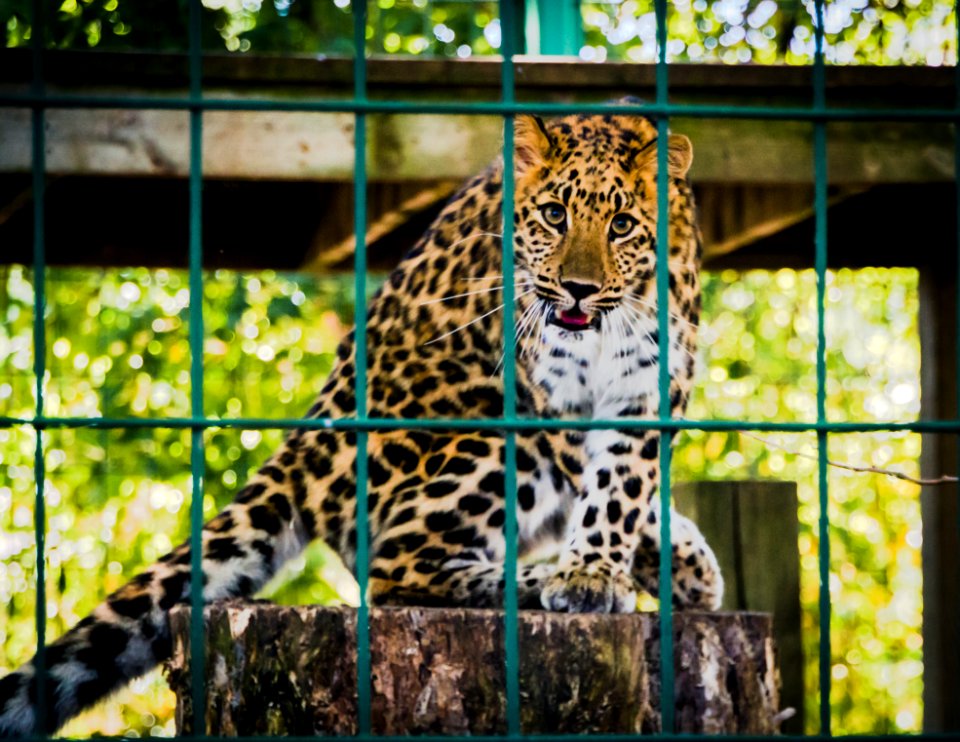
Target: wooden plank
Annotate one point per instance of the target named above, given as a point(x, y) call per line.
point(846, 85)
point(315, 146)
point(753, 528)
point(742, 215)
point(938, 505)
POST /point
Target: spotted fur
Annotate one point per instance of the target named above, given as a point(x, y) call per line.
point(585, 226)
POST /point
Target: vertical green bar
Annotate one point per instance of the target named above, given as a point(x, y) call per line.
point(360, 345)
point(820, 266)
point(511, 630)
point(39, 174)
point(197, 463)
point(667, 701)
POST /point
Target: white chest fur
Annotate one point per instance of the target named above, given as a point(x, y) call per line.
point(599, 373)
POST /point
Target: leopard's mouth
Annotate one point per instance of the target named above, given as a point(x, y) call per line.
point(574, 319)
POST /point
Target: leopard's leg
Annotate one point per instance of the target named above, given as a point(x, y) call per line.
point(470, 585)
point(128, 634)
point(697, 582)
point(617, 490)
point(438, 524)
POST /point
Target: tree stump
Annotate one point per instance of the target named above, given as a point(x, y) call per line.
point(292, 670)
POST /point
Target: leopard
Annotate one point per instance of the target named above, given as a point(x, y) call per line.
point(587, 346)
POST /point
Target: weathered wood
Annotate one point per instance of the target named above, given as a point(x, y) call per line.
point(292, 670)
point(319, 146)
point(849, 85)
point(296, 146)
point(753, 528)
point(940, 512)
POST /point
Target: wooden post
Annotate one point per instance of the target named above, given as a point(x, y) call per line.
point(939, 505)
point(753, 528)
point(292, 670)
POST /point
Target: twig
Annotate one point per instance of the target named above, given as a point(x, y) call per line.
point(945, 479)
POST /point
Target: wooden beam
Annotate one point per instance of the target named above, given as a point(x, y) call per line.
point(309, 146)
point(940, 514)
point(736, 216)
point(536, 76)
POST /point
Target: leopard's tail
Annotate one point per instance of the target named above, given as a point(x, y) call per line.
point(128, 634)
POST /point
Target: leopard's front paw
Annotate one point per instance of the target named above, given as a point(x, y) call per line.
point(590, 589)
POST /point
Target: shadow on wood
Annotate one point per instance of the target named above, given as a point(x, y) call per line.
point(292, 670)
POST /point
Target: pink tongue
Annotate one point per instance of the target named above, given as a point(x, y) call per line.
point(574, 317)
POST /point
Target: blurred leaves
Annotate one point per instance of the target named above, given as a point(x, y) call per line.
point(118, 499)
point(758, 355)
point(730, 31)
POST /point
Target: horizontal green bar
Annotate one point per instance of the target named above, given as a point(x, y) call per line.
point(540, 738)
point(517, 424)
point(681, 110)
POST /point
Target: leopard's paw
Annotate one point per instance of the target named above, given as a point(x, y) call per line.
point(590, 589)
point(698, 584)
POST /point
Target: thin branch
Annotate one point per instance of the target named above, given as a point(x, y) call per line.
point(945, 479)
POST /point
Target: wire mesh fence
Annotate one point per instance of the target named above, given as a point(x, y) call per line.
point(818, 113)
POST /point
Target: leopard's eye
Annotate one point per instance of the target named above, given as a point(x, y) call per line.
point(555, 215)
point(622, 224)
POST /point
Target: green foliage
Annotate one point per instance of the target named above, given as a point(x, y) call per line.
point(731, 31)
point(118, 499)
point(758, 362)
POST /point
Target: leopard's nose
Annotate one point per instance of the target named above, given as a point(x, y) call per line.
point(579, 289)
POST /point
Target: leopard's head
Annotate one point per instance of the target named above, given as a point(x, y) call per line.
point(586, 214)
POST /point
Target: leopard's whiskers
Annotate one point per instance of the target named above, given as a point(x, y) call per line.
point(651, 305)
point(526, 321)
point(636, 316)
point(611, 335)
point(488, 290)
point(474, 320)
point(532, 347)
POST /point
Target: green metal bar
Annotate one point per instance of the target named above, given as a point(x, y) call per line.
point(518, 424)
point(932, 737)
point(531, 26)
point(820, 238)
point(39, 175)
point(667, 700)
point(510, 526)
point(360, 362)
point(557, 27)
point(481, 108)
point(197, 453)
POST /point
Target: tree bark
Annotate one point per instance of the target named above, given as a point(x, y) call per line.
point(292, 670)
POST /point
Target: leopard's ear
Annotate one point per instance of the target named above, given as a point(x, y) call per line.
point(531, 142)
point(679, 155)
